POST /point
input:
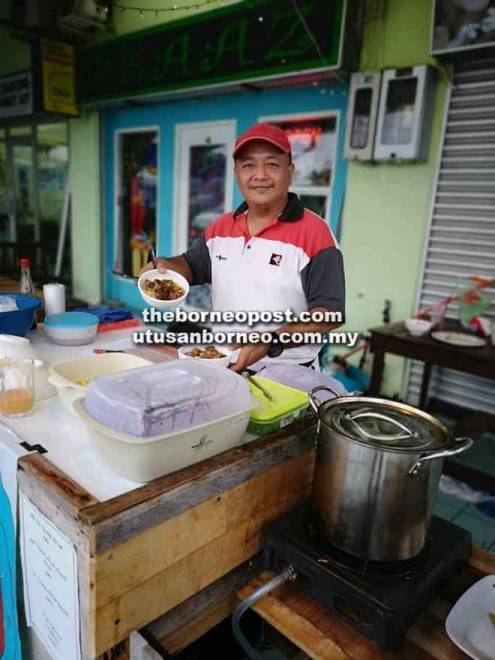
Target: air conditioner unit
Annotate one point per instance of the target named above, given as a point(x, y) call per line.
point(81, 16)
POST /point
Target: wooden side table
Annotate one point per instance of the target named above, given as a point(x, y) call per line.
point(395, 339)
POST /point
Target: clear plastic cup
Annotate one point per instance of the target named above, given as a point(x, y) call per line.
point(16, 387)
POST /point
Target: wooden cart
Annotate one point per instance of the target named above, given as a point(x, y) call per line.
point(141, 554)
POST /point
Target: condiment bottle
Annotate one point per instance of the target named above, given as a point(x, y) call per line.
point(27, 285)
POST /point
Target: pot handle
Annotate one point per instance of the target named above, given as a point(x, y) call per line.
point(459, 445)
point(407, 433)
point(314, 401)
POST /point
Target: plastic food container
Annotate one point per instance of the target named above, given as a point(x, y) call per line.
point(302, 378)
point(165, 398)
point(185, 402)
point(72, 378)
point(17, 348)
point(287, 405)
point(167, 275)
point(71, 328)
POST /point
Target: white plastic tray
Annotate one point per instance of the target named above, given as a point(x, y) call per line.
point(145, 459)
point(468, 624)
point(65, 374)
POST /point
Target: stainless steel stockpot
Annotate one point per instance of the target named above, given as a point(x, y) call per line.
point(377, 471)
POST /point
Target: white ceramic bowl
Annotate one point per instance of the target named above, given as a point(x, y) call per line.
point(167, 275)
point(183, 351)
point(418, 327)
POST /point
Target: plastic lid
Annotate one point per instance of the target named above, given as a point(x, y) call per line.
point(383, 425)
point(285, 399)
point(25, 262)
point(71, 320)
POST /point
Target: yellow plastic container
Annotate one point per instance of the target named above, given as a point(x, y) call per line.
point(287, 405)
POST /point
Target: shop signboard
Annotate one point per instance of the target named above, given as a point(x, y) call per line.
point(16, 95)
point(247, 42)
point(58, 78)
point(48, 88)
point(462, 25)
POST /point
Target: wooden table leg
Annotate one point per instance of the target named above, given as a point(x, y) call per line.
point(377, 373)
point(425, 385)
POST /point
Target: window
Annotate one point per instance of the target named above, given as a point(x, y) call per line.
point(137, 169)
point(34, 163)
point(313, 140)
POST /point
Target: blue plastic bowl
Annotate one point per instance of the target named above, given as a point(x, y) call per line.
point(18, 322)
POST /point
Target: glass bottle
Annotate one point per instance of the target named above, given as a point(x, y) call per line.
point(27, 285)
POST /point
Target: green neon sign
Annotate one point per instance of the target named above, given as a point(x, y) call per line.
point(251, 40)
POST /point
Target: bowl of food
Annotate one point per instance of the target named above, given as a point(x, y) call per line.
point(217, 356)
point(418, 327)
point(166, 290)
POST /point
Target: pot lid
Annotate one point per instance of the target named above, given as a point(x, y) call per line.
point(384, 424)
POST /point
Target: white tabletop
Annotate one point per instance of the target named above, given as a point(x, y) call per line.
point(63, 435)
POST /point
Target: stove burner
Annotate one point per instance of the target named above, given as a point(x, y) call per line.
point(381, 599)
point(333, 556)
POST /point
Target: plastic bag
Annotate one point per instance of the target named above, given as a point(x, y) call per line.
point(7, 304)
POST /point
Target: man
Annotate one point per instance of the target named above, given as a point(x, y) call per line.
point(271, 254)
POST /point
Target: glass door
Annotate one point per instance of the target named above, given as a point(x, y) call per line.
point(136, 199)
point(34, 164)
point(204, 179)
point(23, 216)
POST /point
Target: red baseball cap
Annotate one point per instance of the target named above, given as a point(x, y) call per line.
point(266, 132)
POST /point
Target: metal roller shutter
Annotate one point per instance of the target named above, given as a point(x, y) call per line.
point(462, 231)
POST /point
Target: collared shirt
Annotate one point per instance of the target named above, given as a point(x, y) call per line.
point(294, 263)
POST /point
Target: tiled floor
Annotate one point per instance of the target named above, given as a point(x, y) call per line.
point(481, 457)
point(467, 515)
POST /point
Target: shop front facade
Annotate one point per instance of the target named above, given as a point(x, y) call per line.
point(129, 181)
point(167, 169)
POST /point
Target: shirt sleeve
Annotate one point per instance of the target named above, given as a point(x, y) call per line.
point(323, 281)
point(198, 258)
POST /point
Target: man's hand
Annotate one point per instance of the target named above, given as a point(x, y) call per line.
point(161, 264)
point(179, 264)
point(248, 355)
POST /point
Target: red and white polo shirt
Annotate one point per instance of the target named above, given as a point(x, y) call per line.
point(294, 263)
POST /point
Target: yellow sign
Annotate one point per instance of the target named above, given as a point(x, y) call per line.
point(57, 64)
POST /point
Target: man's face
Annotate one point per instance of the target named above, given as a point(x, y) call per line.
point(264, 173)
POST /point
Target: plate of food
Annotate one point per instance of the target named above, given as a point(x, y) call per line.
point(166, 290)
point(217, 356)
point(471, 622)
point(462, 339)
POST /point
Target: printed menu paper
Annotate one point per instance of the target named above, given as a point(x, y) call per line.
point(49, 566)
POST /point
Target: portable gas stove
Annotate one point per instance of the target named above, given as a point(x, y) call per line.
point(381, 599)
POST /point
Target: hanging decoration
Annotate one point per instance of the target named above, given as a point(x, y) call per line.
point(159, 10)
